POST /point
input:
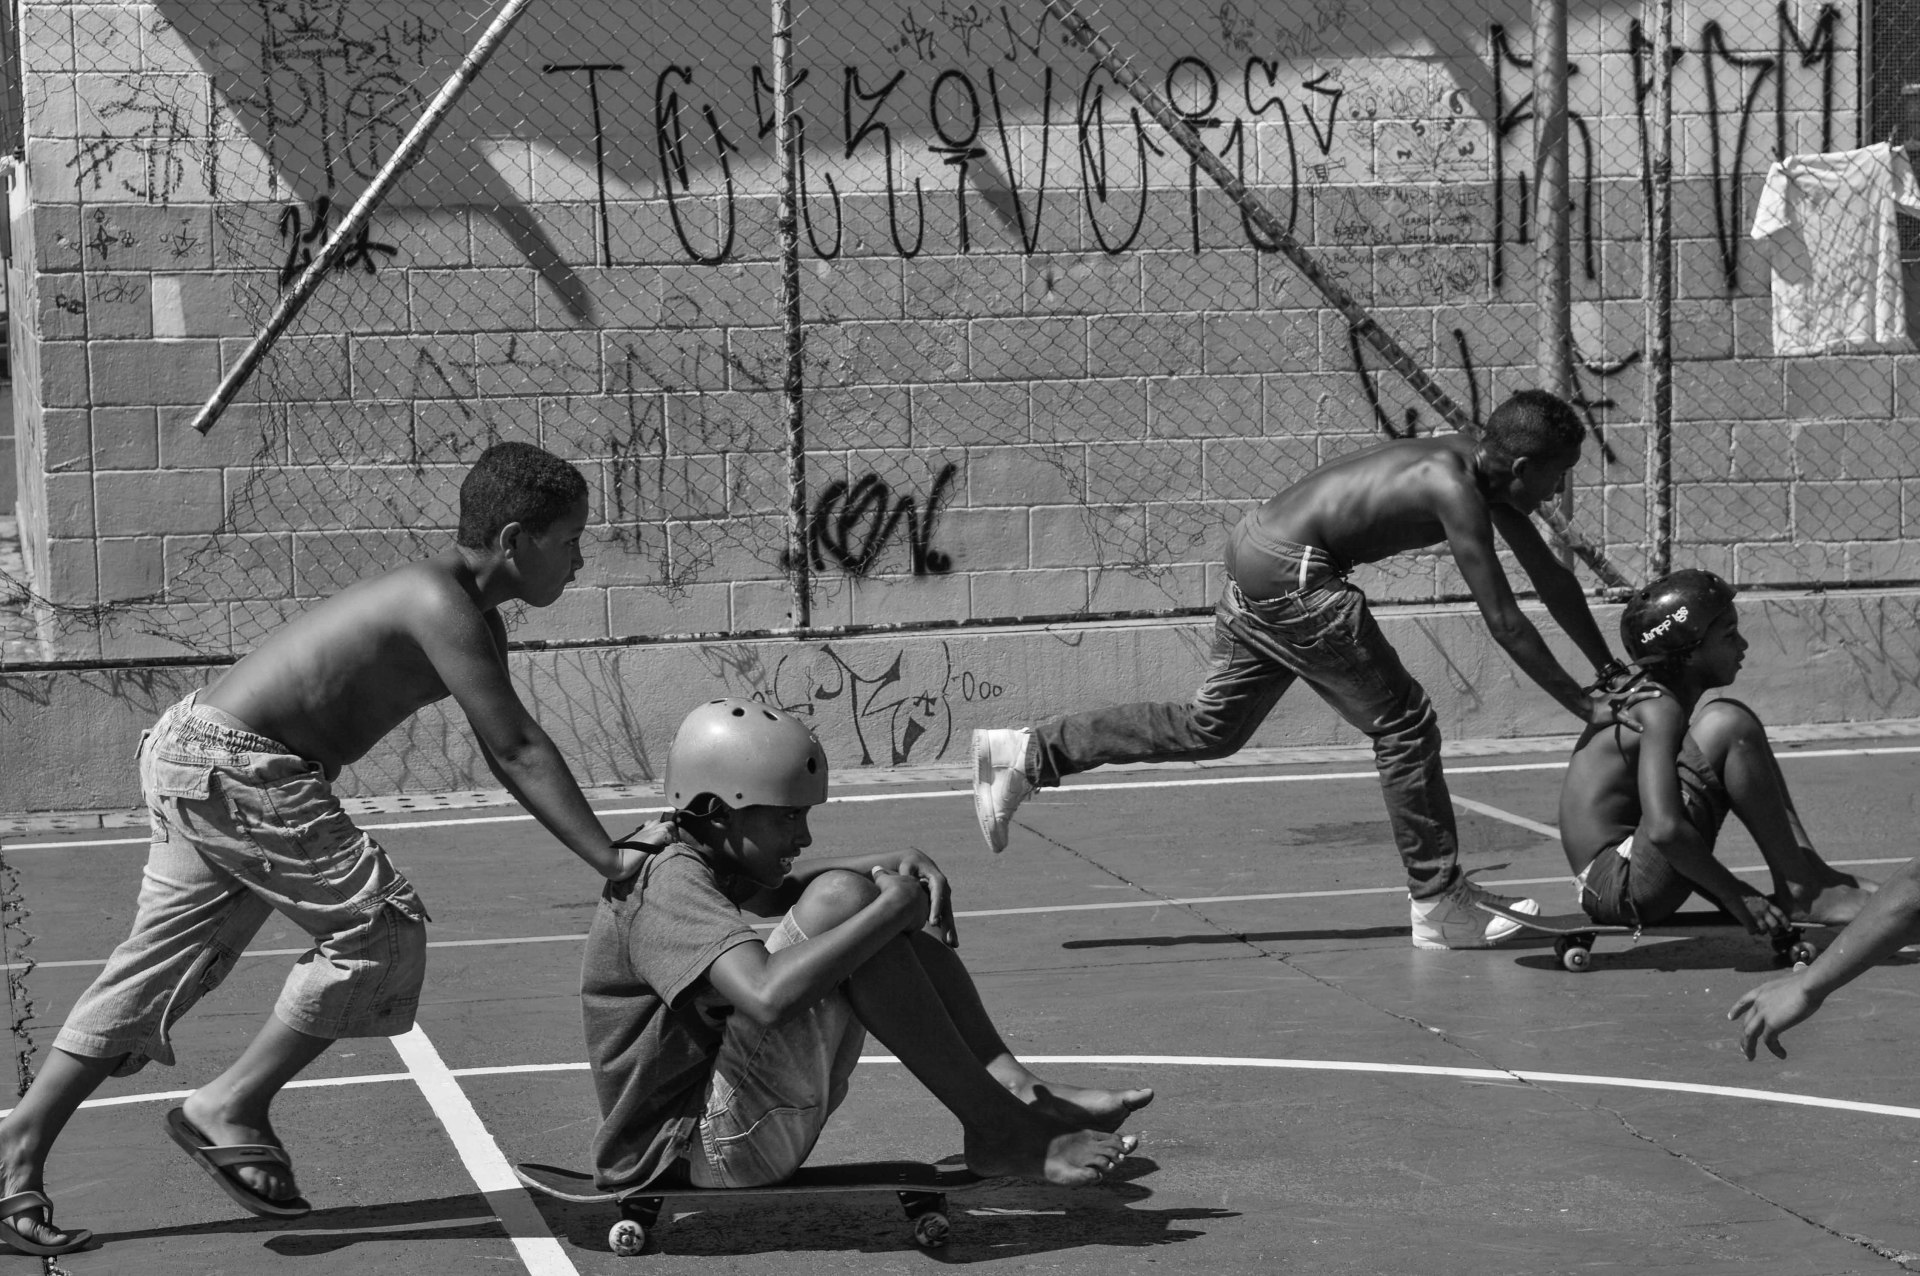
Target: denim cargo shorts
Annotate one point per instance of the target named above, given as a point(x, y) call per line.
point(774, 1088)
point(242, 829)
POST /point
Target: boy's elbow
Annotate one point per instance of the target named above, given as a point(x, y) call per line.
point(765, 1011)
point(1510, 631)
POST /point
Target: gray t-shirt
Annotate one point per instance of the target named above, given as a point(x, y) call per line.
point(654, 1023)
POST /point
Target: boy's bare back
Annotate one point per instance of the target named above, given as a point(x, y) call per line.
point(1378, 502)
point(332, 682)
point(1600, 799)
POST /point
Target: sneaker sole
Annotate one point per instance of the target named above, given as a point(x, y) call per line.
point(983, 790)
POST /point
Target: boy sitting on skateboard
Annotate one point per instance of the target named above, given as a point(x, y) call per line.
point(1885, 924)
point(1640, 811)
point(717, 1058)
point(239, 786)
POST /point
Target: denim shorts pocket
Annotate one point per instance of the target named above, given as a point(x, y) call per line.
point(401, 897)
point(163, 776)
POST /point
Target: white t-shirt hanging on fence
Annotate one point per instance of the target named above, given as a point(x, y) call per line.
point(1835, 249)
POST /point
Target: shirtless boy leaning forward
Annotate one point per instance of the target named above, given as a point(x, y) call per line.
point(238, 781)
point(1289, 612)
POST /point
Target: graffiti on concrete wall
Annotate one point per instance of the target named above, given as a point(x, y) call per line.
point(899, 709)
point(853, 524)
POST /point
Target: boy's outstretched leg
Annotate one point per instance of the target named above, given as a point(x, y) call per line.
point(231, 1111)
point(1074, 1106)
point(1735, 742)
point(900, 1005)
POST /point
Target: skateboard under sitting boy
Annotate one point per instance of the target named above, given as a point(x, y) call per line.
point(1288, 612)
point(238, 781)
point(717, 1058)
point(1640, 811)
point(1886, 923)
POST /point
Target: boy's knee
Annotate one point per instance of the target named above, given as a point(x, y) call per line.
point(832, 898)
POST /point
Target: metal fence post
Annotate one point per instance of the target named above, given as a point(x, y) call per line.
point(1659, 468)
point(1554, 333)
point(793, 383)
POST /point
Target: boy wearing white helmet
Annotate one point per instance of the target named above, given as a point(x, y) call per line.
point(717, 1058)
point(1640, 811)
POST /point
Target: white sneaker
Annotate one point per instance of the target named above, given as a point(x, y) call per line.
point(1003, 763)
point(1452, 921)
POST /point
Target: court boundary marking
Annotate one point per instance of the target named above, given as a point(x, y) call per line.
point(541, 1253)
point(1788, 1097)
point(918, 794)
point(964, 914)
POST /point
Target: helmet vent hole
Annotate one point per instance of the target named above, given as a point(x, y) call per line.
point(739, 712)
point(770, 716)
point(813, 766)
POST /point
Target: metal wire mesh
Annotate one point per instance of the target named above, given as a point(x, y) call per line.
point(1042, 361)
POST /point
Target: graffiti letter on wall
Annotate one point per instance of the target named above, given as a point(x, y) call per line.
point(676, 174)
point(958, 146)
point(1095, 178)
point(851, 90)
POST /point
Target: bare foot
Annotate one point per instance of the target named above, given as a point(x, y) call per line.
point(1081, 1107)
point(223, 1127)
point(19, 1174)
point(1834, 902)
point(1075, 1158)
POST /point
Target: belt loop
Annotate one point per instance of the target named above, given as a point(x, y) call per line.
point(1305, 560)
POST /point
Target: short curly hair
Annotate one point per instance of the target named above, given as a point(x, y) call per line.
point(1533, 424)
point(515, 483)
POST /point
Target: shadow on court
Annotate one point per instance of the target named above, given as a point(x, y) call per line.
point(1266, 937)
point(995, 1222)
point(327, 1230)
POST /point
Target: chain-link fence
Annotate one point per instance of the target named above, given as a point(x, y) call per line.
point(975, 336)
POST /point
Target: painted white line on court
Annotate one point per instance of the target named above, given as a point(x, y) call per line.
point(1103, 906)
point(956, 793)
point(446, 1078)
point(539, 1250)
point(1533, 826)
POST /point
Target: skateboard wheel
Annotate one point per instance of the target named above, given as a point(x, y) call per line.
point(930, 1230)
point(1803, 953)
point(1577, 958)
point(626, 1238)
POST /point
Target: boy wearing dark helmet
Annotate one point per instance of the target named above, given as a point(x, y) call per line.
point(1288, 614)
point(1640, 812)
point(717, 1058)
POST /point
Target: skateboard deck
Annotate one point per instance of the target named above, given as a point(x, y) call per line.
point(921, 1188)
point(1575, 933)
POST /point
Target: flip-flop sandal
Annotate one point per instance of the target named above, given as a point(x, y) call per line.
point(19, 1203)
point(217, 1162)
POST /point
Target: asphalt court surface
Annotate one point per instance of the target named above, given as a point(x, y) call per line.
point(1329, 1098)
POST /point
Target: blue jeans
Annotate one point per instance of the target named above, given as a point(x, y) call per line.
point(242, 829)
point(1325, 636)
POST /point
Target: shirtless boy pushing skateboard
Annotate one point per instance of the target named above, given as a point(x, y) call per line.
point(1289, 613)
point(238, 784)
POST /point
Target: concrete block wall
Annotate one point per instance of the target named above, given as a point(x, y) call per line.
point(1045, 384)
point(912, 699)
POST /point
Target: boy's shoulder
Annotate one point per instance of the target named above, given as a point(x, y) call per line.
point(425, 592)
point(677, 870)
